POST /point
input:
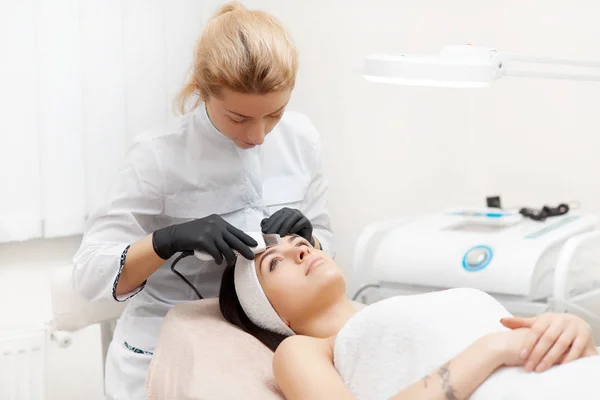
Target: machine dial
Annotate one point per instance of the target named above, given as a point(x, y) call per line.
point(477, 258)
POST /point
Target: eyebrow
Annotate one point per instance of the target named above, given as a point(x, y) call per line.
point(290, 239)
point(245, 116)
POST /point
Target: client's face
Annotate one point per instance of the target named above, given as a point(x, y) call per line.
point(297, 278)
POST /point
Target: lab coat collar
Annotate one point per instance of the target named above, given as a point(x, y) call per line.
point(209, 128)
point(211, 131)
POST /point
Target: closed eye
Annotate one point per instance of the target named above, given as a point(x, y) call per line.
point(235, 121)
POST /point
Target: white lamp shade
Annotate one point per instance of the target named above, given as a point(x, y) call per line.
point(454, 67)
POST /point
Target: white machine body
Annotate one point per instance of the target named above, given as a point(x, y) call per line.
point(488, 249)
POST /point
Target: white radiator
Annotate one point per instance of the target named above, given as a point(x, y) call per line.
point(23, 365)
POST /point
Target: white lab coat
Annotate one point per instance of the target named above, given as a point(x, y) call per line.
point(176, 174)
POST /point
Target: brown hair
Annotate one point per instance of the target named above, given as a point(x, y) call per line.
point(234, 313)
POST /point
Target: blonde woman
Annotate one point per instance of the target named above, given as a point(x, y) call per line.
point(234, 160)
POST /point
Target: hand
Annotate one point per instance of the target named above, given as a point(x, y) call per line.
point(211, 234)
point(288, 221)
point(508, 345)
point(552, 339)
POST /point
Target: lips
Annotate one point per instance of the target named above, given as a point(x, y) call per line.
point(314, 261)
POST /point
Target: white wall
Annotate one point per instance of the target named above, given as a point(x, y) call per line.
point(395, 150)
point(25, 270)
point(80, 79)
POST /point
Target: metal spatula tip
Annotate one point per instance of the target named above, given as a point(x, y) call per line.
point(271, 240)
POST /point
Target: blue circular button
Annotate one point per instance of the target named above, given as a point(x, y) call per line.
point(477, 258)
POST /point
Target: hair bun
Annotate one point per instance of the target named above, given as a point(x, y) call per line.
point(229, 7)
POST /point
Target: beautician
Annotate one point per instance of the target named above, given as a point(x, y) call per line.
point(234, 162)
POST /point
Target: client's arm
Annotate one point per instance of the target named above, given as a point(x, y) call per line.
point(304, 369)
point(459, 377)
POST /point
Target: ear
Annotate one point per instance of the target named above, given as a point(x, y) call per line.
point(199, 91)
point(202, 95)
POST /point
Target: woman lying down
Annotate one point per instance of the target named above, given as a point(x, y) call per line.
point(452, 344)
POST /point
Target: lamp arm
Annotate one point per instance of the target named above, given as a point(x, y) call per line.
point(551, 60)
point(510, 58)
point(550, 75)
point(507, 71)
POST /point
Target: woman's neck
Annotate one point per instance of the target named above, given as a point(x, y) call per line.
point(328, 321)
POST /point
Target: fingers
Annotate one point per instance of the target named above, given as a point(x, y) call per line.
point(590, 350)
point(243, 237)
point(274, 223)
point(226, 251)
point(531, 340)
point(517, 322)
point(304, 229)
point(532, 337)
point(577, 349)
point(558, 350)
point(298, 225)
point(214, 252)
point(235, 243)
point(267, 222)
point(543, 335)
point(290, 223)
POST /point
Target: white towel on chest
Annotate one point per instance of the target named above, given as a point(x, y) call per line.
point(392, 344)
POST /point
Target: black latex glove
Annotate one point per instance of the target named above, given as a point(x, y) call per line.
point(211, 234)
point(288, 221)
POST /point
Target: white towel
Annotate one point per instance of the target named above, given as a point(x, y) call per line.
point(392, 344)
point(250, 293)
point(253, 299)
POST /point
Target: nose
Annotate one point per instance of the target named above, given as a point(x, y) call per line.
point(256, 134)
point(300, 253)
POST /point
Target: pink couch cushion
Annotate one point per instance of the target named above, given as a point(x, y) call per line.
point(199, 355)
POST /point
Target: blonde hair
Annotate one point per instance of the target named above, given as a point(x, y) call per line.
point(243, 50)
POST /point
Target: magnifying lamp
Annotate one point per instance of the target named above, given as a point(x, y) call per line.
point(465, 66)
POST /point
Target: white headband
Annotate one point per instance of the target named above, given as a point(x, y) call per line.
point(252, 298)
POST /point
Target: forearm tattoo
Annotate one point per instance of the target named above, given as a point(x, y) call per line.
point(444, 373)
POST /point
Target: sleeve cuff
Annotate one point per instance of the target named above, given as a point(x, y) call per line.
point(129, 295)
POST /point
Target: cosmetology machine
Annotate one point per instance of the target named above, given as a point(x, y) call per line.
point(531, 266)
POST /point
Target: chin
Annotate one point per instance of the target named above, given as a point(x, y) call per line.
point(328, 278)
point(244, 146)
point(327, 268)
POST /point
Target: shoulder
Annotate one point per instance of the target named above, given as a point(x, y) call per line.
point(165, 136)
point(299, 349)
point(298, 127)
point(300, 357)
point(293, 343)
point(303, 368)
point(161, 142)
